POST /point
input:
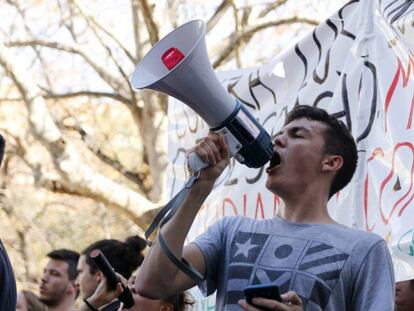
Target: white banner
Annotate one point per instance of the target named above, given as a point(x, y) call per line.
point(359, 66)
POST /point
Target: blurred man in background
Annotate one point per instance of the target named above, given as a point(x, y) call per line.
point(404, 295)
point(57, 287)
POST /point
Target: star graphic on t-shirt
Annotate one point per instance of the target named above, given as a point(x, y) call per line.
point(244, 248)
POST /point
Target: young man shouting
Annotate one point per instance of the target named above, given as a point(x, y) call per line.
point(316, 263)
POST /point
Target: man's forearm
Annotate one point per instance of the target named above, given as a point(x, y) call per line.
point(157, 272)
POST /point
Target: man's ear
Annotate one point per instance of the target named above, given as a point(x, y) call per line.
point(99, 276)
point(332, 163)
point(167, 307)
point(72, 288)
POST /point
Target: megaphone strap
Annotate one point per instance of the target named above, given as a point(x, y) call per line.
point(182, 264)
point(164, 215)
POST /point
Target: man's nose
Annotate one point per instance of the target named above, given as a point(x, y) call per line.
point(44, 278)
point(279, 141)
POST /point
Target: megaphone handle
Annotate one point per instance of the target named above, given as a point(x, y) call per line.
point(195, 162)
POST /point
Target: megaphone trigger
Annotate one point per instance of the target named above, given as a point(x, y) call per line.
point(195, 163)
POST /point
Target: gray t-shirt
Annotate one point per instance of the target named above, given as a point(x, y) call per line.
point(330, 266)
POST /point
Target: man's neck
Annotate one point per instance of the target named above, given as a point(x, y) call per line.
point(301, 215)
point(307, 208)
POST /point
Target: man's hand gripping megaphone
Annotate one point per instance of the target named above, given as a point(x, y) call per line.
point(210, 152)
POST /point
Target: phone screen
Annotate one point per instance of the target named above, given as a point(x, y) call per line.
point(268, 291)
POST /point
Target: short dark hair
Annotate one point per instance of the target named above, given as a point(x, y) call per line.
point(124, 257)
point(338, 141)
point(180, 302)
point(68, 256)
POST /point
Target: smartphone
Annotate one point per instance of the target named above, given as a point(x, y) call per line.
point(268, 291)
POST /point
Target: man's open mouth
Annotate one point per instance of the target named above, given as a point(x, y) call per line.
point(274, 161)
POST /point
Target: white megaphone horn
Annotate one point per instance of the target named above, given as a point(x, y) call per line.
point(178, 65)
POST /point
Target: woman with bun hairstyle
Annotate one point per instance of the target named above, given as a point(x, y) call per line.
point(102, 295)
point(125, 257)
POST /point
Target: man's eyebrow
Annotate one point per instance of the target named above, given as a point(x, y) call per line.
point(55, 271)
point(299, 128)
point(294, 129)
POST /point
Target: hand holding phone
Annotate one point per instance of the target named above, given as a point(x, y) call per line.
point(112, 279)
point(268, 291)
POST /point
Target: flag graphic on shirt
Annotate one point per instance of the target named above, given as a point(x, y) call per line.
point(310, 268)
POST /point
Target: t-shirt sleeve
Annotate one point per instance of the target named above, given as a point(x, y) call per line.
point(211, 245)
point(374, 287)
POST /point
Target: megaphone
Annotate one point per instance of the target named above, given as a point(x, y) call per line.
point(178, 65)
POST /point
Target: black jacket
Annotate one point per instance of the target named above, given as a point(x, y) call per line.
point(7, 282)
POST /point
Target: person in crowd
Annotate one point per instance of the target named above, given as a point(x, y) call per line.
point(57, 290)
point(404, 295)
point(7, 281)
point(102, 296)
point(28, 301)
point(317, 263)
point(124, 257)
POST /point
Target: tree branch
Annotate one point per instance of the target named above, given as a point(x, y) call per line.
point(270, 7)
point(136, 29)
point(112, 81)
point(152, 27)
point(237, 30)
point(31, 35)
point(115, 96)
point(218, 14)
point(136, 178)
point(235, 39)
point(93, 23)
point(65, 158)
